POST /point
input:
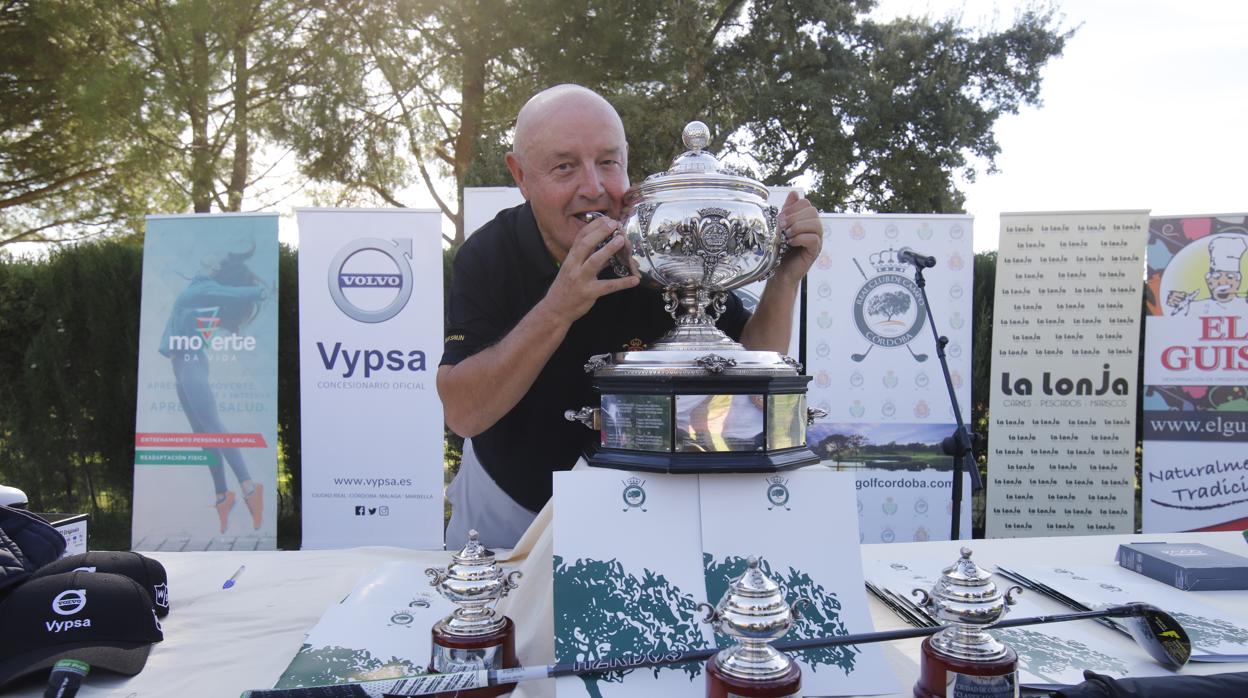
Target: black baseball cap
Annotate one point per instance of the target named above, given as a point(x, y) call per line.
point(105, 620)
point(144, 570)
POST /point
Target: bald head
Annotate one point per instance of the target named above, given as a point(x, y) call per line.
point(569, 159)
point(544, 107)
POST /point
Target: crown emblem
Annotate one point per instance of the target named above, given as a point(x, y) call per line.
point(886, 261)
point(777, 480)
point(634, 481)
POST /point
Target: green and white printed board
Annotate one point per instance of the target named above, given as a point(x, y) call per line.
point(635, 553)
point(803, 528)
point(628, 579)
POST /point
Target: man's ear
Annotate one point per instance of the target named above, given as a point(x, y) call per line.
point(517, 173)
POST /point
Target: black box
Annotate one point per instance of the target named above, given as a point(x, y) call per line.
point(1187, 566)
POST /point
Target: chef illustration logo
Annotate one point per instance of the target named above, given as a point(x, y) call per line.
point(1222, 291)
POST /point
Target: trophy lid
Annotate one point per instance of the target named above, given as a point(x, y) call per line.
point(698, 169)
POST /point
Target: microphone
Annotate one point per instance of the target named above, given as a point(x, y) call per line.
point(918, 259)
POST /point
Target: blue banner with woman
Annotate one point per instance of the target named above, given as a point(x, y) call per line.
point(205, 475)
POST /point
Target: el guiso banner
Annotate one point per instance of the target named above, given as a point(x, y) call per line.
point(1195, 373)
point(1061, 457)
point(205, 461)
point(370, 335)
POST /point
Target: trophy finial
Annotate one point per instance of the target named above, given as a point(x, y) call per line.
point(696, 136)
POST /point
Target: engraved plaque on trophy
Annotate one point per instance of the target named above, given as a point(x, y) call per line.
point(696, 401)
point(963, 659)
point(753, 612)
point(475, 636)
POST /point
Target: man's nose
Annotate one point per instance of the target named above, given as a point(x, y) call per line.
point(591, 185)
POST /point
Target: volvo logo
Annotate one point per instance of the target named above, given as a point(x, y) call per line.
point(370, 279)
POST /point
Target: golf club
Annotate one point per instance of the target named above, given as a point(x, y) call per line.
point(1155, 630)
point(863, 355)
point(917, 357)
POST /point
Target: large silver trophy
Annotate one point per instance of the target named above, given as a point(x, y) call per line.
point(697, 401)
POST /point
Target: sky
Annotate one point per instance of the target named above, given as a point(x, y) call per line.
point(1146, 109)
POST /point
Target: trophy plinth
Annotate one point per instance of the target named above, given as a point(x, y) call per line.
point(963, 658)
point(697, 401)
point(475, 636)
point(752, 611)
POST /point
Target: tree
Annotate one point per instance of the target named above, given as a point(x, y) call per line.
point(879, 116)
point(601, 611)
point(889, 304)
point(1057, 660)
point(114, 110)
point(70, 167)
point(819, 617)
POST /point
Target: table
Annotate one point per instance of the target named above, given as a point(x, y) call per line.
point(221, 642)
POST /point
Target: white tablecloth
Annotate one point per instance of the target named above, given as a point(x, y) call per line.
point(221, 642)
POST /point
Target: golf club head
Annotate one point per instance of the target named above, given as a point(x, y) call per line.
point(1160, 635)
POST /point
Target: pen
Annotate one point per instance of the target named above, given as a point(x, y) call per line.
point(234, 577)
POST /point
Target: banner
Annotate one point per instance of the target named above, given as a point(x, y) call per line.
point(1196, 375)
point(370, 334)
point(1065, 340)
point(205, 461)
point(876, 372)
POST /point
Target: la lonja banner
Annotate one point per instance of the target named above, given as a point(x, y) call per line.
point(205, 470)
point(1196, 374)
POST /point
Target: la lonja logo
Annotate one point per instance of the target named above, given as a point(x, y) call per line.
point(1066, 386)
point(634, 494)
point(778, 492)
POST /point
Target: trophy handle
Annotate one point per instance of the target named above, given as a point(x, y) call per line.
point(510, 582)
point(798, 604)
point(591, 417)
point(710, 615)
point(436, 576)
point(925, 600)
point(1011, 595)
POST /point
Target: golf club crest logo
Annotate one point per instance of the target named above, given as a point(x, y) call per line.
point(370, 279)
point(888, 307)
point(634, 494)
point(778, 493)
point(402, 618)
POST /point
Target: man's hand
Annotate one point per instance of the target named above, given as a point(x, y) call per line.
point(577, 286)
point(799, 223)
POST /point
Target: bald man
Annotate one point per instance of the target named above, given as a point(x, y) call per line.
point(530, 304)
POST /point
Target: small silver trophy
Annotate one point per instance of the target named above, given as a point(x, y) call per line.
point(963, 658)
point(475, 636)
point(754, 612)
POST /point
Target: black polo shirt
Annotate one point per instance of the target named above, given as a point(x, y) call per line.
point(500, 273)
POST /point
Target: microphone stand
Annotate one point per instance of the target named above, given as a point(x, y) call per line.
point(963, 441)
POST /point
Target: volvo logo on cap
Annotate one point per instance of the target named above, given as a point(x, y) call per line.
point(370, 279)
point(69, 602)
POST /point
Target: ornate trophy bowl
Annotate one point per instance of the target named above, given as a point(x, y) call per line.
point(966, 600)
point(474, 636)
point(697, 401)
point(754, 613)
point(698, 232)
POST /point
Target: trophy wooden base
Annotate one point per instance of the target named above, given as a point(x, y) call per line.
point(993, 679)
point(722, 685)
point(454, 653)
